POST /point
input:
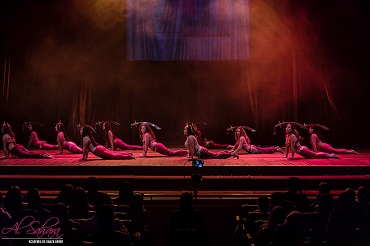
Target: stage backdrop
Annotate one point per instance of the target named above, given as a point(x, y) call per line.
point(187, 30)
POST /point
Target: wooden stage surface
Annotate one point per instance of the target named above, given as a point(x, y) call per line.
point(226, 183)
point(155, 159)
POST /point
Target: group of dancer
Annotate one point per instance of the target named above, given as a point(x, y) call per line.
point(196, 145)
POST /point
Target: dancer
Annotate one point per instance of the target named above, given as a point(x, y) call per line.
point(33, 141)
point(243, 142)
point(319, 146)
point(292, 144)
point(194, 149)
point(210, 144)
point(149, 142)
point(63, 140)
point(12, 148)
point(89, 144)
point(112, 140)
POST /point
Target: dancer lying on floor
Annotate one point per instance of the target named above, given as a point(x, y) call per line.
point(112, 141)
point(149, 142)
point(319, 146)
point(63, 140)
point(33, 140)
point(89, 144)
point(243, 142)
point(195, 150)
point(12, 148)
point(292, 144)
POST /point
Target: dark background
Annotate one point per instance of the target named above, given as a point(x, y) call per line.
point(308, 63)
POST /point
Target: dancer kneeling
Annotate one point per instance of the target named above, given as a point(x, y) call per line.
point(194, 149)
point(89, 144)
point(18, 150)
point(292, 144)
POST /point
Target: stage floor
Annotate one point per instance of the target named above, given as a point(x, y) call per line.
point(155, 159)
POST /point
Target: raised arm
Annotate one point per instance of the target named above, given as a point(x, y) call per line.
point(6, 151)
point(85, 148)
point(293, 141)
point(60, 140)
point(31, 139)
point(239, 145)
point(146, 144)
point(191, 146)
point(110, 137)
point(314, 139)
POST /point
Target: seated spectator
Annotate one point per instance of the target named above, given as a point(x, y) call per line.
point(186, 223)
point(291, 232)
point(295, 197)
point(125, 193)
point(259, 216)
point(139, 217)
point(106, 235)
point(70, 229)
point(91, 225)
point(316, 221)
point(94, 196)
point(263, 211)
point(323, 190)
point(80, 208)
point(363, 198)
point(65, 195)
point(14, 201)
point(344, 220)
point(34, 201)
point(266, 231)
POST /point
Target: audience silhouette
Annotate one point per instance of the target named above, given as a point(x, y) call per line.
point(186, 223)
point(283, 218)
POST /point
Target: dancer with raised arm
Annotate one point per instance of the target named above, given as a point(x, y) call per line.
point(89, 144)
point(11, 148)
point(195, 150)
point(64, 142)
point(149, 141)
point(33, 140)
point(292, 144)
point(111, 140)
point(319, 146)
point(243, 142)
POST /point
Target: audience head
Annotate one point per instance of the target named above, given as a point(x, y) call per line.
point(277, 215)
point(295, 220)
point(13, 199)
point(92, 184)
point(126, 191)
point(33, 196)
point(363, 194)
point(324, 188)
point(137, 202)
point(263, 203)
point(65, 194)
point(186, 201)
point(294, 184)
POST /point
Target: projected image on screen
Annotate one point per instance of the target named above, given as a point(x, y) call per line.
point(187, 30)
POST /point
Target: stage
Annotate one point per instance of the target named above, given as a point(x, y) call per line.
point(158, 173)
point(226, 184)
